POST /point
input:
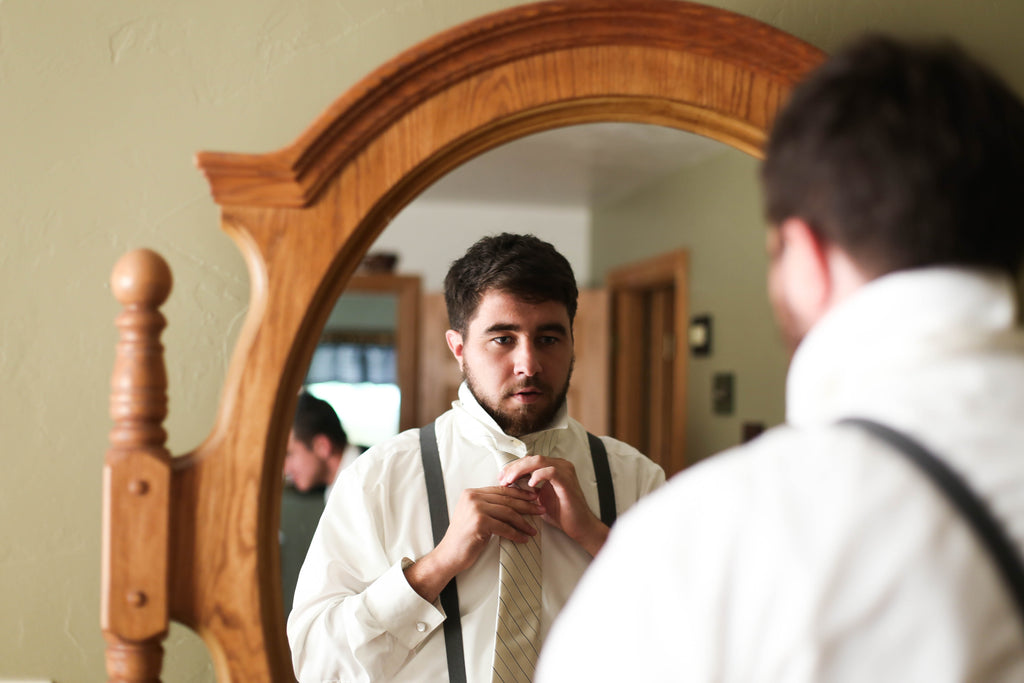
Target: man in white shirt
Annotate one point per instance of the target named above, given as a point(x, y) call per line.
point(819, 552)
point(366, 607)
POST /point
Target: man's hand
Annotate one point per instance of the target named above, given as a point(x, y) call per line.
point(560, 493)
point(479, 514)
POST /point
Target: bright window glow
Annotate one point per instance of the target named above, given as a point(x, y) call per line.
point(368, 412)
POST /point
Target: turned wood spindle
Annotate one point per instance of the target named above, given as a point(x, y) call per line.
point(137, 477)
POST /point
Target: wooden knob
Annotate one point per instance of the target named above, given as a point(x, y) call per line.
point(136, 598)
point(141, 278)
point(139, 487)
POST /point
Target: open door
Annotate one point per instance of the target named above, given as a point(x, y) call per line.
point(648, 398)
point(439, 371)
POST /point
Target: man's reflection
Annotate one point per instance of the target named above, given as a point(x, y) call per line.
point(318, 449)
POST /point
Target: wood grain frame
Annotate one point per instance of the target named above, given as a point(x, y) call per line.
point(206, 524)
point(628, 287)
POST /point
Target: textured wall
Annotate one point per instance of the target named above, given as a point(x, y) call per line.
point(713, 211)
point(452, 226)
point(102, 104)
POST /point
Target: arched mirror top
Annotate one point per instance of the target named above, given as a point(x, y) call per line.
point(671, 62)
point(304, 217)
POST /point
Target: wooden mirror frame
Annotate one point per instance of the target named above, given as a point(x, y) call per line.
point(194, 538)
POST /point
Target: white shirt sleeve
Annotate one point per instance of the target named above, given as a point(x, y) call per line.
point(355, 616)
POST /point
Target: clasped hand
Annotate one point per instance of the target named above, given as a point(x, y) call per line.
point(558, 488)
point(547, 487)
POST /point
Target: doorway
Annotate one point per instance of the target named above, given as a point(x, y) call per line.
point(650, 306)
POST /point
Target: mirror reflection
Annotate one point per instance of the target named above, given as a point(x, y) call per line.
point(617, 200)
point(351, 398)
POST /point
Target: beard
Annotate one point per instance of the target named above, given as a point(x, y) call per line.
point(523, 419)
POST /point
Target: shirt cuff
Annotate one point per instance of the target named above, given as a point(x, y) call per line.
point(399, 609)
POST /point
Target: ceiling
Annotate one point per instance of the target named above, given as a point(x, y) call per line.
point(582, 165)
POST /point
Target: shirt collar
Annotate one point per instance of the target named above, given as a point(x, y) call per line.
point(893, 322)
point(480, 428)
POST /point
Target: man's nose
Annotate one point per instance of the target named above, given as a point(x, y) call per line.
point(526, 360)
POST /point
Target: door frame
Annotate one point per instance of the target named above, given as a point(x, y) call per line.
point(629, 285)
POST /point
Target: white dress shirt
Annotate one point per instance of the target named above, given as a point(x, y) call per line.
point(355, 617)
point(348, 456)
point(814, 553)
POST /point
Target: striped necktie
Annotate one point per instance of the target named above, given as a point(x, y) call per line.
point(517, 630)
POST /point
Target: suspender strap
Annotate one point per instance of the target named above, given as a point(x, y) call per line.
point(605, 488)
point(438, 504)
point(971, 506)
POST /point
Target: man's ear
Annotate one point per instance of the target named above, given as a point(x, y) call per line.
point(805, 270)
point(454, 340)
point(322, 447)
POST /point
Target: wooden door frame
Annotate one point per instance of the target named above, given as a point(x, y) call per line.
point(406, 289)
point(627, 285)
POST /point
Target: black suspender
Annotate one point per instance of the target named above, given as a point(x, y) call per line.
point(605, 488)
point(988, 530)
point(437, 502)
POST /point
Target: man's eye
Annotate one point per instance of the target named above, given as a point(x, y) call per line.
point(502, 340)
point(547, 340)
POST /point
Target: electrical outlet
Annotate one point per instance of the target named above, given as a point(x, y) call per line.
point(723, 393)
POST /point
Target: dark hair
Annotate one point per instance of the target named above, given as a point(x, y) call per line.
point(523, 266)
point(903, 156)
point(315, 416)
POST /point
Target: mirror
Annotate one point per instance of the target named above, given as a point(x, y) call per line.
point(305, 216)
point(575, 186)
point(578, 187)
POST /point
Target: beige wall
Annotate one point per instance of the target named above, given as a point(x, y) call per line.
point(102, 104)
point(713, 210)
point(453, 226)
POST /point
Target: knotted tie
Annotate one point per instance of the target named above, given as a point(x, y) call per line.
point(517, 640)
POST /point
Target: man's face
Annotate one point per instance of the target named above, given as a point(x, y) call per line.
point(517, 358)
point(304, 468)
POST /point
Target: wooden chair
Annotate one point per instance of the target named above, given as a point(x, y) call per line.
point(304, 216)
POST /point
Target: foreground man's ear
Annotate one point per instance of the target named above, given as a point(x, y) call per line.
point(454, 340)
point(814, 274)
point(804, 271)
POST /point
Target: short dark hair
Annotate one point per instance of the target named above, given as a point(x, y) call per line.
point(904, 155)
point(523, 266)
point(315, 416)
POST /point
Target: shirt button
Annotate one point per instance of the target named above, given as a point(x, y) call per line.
point(421, 627)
